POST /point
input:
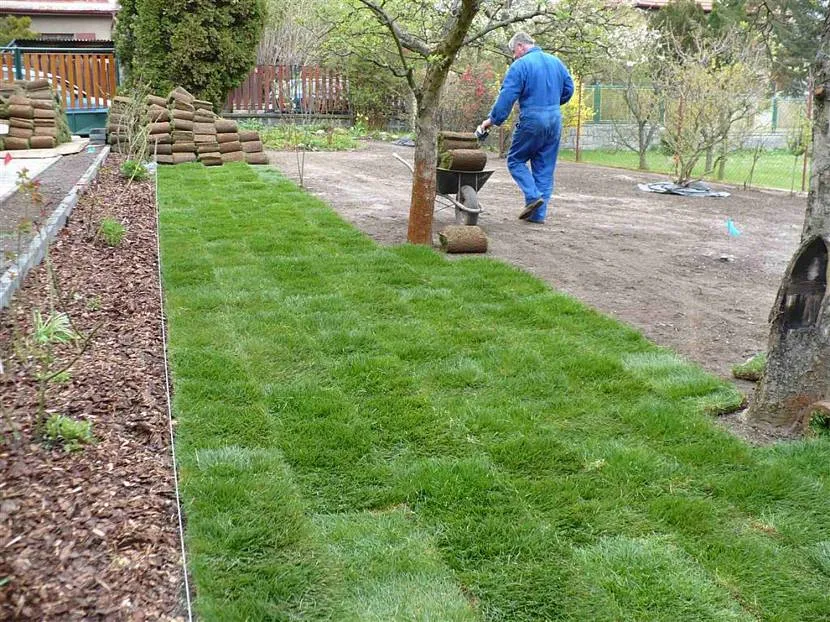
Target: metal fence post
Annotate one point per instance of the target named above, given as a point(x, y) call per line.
point(597, 103)
point(18, 64)
point(774, 112)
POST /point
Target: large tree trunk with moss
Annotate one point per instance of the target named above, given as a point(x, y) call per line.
point(798, 356)
point(423, 180)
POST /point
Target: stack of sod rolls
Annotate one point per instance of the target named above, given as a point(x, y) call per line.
point(181, 128)
point(252, 147)
point(205, 133)
point(36, 117)
point(120, 124)
point(460, 151)
point(182, 125)
point(227, 135)
point(159, 136)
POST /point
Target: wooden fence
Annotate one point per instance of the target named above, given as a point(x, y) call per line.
point(283, 89)
point(85, 79)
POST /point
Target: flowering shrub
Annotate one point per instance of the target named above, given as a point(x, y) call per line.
point(468, 98)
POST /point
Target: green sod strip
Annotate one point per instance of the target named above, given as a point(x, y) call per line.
point(371, 433)
point(775, 168)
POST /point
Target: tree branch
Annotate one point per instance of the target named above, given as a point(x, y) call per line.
point(402, 41)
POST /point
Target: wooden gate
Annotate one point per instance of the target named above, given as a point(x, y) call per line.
point(85, 79)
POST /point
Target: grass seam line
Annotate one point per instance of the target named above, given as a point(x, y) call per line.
point(163, 319)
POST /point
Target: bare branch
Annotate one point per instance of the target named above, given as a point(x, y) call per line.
point(402, 39)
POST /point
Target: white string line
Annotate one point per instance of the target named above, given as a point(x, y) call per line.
point(169, 406)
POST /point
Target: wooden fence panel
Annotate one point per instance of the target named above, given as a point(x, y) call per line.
point(290, 90)
point(86, 79)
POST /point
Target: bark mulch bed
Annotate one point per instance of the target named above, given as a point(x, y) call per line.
point(92, 534)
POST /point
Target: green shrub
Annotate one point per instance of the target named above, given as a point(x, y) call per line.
point(111, 231)
point(309, 137)
point(134, 170)
point(206, 47)
point(70, 433)
point(751, 369)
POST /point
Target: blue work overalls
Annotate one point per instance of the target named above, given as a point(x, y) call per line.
point(541, 83)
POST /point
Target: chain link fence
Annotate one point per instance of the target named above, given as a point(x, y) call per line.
point(770, 149)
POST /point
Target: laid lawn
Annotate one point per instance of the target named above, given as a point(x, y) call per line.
point(371, 433)
point(774, 169)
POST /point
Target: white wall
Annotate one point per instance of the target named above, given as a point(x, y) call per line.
point(100, 26)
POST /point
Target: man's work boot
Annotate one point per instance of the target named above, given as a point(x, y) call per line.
point(530, 208)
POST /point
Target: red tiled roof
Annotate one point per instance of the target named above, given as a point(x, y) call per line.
point(78, 7)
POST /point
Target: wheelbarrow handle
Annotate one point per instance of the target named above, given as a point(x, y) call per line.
point(405, 163)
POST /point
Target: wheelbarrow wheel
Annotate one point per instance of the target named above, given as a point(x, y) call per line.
point(469, 199)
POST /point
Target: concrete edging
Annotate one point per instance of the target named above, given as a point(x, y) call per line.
point(33, 255)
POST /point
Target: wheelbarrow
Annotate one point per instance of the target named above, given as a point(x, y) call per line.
point(464, 185)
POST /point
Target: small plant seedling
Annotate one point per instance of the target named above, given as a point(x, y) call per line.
point(94, 303)
point(68, 432)
point(131, 169)
point(111, 231)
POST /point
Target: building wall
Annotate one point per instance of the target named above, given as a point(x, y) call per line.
point(79, 27)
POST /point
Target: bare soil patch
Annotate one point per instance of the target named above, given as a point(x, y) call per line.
point(92, 534)
point(652, 261)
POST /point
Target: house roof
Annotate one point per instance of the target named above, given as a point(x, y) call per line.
point(60, 7)
point(706, 5)
point(44, 44)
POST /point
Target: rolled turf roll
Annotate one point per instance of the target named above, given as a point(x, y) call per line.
point(180, 158)
point(233, 156)
point(25, 123)
point(43, 142)
point(252, 146)
point(21, 111)
point(181, 124)
point(212, 160)
point(159, 128)
point(181, 94)
point(207, 148)
point(256, 158)
point(182, 114)
point(21, 132)
point(11, 142)
point(248, 135)
point(184, 148)
point(226, 126)
point(182, 136)
point(230, 147)
point(464, 160)
point(463, 239)
point(157, 114)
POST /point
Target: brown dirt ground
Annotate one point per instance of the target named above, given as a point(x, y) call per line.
point(92, 534)
point(652, 261)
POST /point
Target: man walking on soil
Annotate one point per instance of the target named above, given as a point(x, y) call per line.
point(541, 83)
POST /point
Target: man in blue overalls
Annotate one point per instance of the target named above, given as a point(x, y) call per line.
point(541, 83)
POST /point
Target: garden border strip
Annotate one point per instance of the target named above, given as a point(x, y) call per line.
point(33, 255)
point(163, 318)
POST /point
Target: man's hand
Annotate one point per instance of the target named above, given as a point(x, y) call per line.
point(486, 124)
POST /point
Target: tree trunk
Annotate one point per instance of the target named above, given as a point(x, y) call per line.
point(643, 141)
point(724, 151)
point(798, 354)
point(423, 178)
